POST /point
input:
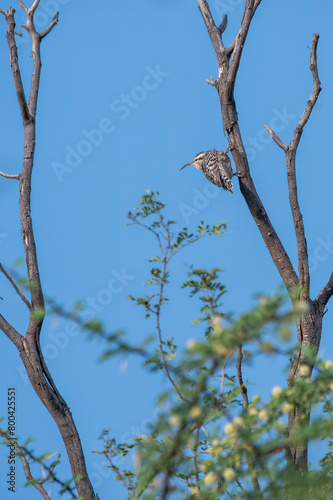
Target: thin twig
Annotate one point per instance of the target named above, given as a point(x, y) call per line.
point(277, 139)
point(24, 7)
point(16, 288)
point(22, 453)
point(243, 389)
point(326, 293)
point(52, 25)
point(241, 384)
point(10, 176)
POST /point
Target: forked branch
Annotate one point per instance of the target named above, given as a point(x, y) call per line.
point(225, 87)
point(290, 151)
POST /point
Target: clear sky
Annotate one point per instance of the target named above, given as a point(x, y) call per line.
point(135, 72)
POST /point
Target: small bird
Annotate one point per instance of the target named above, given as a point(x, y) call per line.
point(216, 166)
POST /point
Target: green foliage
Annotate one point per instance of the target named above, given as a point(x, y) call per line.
point(211, 441)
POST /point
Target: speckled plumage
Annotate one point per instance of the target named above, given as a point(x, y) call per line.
point(216, 166)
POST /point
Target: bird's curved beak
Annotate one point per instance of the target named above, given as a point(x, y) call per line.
point(187, 164)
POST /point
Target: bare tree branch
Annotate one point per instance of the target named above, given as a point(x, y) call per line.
point(303, 261)
point(213, 31)
point(225, 87)
point(34, 6)
point(249, 11)
point(276, 138)
point(29, 346)
point(241, 384)
point(9, 176)
point(11, 333)
point(52, 25)
point(16, 288)
point(326, 293)
point(15, 65)
point(23, 6)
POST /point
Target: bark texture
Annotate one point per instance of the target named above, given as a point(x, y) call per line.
point(28, 345)
point(309, 328)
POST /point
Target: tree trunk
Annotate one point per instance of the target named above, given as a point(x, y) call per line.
point(309, 329)
point(29, 344)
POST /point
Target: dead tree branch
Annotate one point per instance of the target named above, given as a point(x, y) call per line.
point(326, 293)
point(29, 345)
point(9, 176)
point(225, 87)
point(309, 327)
point(290, 151)
point(16, 288)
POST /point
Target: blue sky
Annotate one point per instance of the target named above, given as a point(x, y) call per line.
point(123, 105)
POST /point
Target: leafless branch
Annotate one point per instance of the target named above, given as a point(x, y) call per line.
point(16, 288)
point(29, 346)
point(34, 6)
point(225, 88)
point(9, 176)
point(241, 384)
point(249, 11)
point(314, 96)
point(213, 31)
point(52, 25)
point(15, 65)
point(303, 261)
point(276, 138)
point(23, 6)
point(11, 333)
point(326, 293)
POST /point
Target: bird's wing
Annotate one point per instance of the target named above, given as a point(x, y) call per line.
point(226, 162)
point(210, 167)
